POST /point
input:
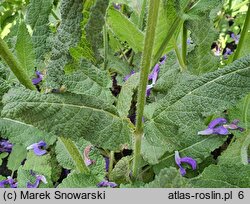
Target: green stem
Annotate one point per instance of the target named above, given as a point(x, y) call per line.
point(54, 15)
point(14, 65)
point(184, 44)
point(106, 45)
point(243, 34)
point(145, 67)
point(111, 161)
point(182, 64)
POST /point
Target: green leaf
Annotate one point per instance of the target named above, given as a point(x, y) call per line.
point(37, 17)
point(223, 176)
point(201, 59)
point(98, 167)
point(68, 35)
point(4, 87)
point(63, 155)
point(40, 165)
point(24, 49)
point(241, 112)
point(78, 180)
point(24, 176)
point(94, 27)
point(237, 152)
point(120, 174)
point(167, 16)
point(169, 178)
point(70, 115)
point(66, 149)
point(22, 133)
point(179, 115)
point(90, 81)
point(125, 29)
point(126, 95)
point(2, 156)
point(17, 155)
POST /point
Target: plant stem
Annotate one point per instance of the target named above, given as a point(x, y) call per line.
point(111, 161)
point(184, 44)
point(106, 48)
point(145, 67)
point(15, 66)
point(54, 15)
point(182, 64)
point(243, 34)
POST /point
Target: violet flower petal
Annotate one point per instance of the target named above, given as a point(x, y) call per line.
point(208, 131)
point(106, 164)
point(221, 130)
point(37, 182)
point(217, 121)
point(190, 161)
point(38, 151)
point(86, 152)
point(106, 183)
point(129, 75)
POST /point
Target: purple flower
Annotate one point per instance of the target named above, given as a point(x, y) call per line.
point(37, 148)
point(187, 160)
point(227, 53)
point(106, 183)
point(215, 127)
point(234, 126)
point(117, 6)
point(38, 79)
point(218, 127)
point(5, 146)
point(154, 75)
point(9, 181)
point(129, 75)
point(86, 152)
point(189, 41)
point(106, 164)
point(37, 182)
point(236, 38)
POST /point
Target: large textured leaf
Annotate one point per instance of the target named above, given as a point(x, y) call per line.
point(70, 115)
point(169, 178)
point(91, 81)
point(68, 35)
point(94, 26)
point(22, 133)
point(38, 18)
point(76, 180)
point(223, 176)
point(179, 115)
point(68, 148)
point(24, 49)
point(125, 29)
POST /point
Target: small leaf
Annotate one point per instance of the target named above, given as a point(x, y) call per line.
point(125, 29)
point(121, 172)
point(16, 157)
point(69, 148)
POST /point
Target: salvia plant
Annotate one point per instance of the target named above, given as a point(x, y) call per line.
point(120, 94)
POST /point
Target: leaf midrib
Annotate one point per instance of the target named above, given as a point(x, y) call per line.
point(221, 76)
